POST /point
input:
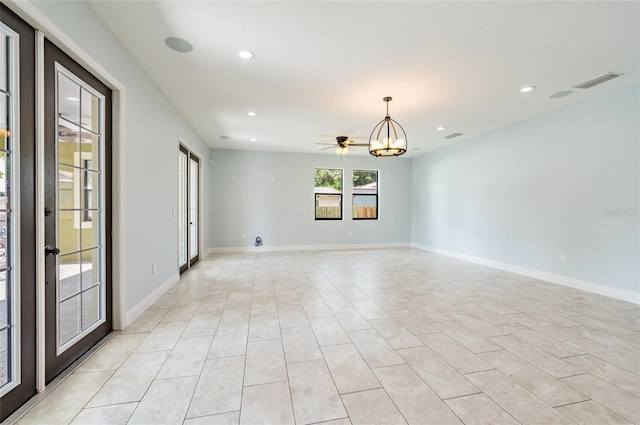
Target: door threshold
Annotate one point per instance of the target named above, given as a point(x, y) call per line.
point(33, 401)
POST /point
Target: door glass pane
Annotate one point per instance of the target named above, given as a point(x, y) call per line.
point(69, 319)
point(68, 187)
point(182, 208)
point(90, 111)
point(90, 268)
point(89, 201)
point(69, 275)
point(68, 143)
point(193, 208)
point(90, 306)
point(90, 146)
point(68, 99)
point(80, 197)
point(91, 232)
point(69, 231)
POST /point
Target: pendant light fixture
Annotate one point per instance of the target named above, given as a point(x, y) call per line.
point(386, 141)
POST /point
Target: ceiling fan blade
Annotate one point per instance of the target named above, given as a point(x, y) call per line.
point(330, 147)
point(359, 144)
point(332, 144)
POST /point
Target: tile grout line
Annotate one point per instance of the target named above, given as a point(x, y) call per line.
point(324, 360)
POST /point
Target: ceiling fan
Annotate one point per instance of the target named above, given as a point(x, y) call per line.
point(342, 145)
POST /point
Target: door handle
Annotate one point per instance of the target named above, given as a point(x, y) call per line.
point(49, 250)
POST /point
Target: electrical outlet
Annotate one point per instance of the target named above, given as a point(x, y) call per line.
point(243, 236)
point(153, 268)
point(563, 257)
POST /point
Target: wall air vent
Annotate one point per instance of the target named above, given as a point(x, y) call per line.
point(598, 80)
point(453, 135)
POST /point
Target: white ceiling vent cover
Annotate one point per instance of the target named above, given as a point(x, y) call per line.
point(598, 80)
point(453, 135)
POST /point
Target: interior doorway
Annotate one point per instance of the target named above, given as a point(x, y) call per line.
point(188, 208)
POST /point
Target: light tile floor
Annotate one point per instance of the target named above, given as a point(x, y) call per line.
point(362, 337)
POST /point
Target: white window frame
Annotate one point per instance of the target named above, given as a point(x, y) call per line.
point(101, 213)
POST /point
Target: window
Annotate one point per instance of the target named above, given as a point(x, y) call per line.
point(365, 195)
point(328, 194)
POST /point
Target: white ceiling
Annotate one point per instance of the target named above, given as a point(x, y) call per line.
point(322, 68)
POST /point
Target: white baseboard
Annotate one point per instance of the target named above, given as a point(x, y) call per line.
point(148, 301)
point(596, 288)
point(286, 248)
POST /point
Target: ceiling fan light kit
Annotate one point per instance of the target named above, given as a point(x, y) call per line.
point(386, 141)
point(342, 150)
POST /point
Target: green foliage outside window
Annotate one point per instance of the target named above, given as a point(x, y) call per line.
point(329, 178)
point(363, 177)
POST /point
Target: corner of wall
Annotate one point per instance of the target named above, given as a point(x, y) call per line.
point(148, 301)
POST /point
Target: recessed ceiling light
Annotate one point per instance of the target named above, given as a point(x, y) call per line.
point(253, 139)
point(178, 44)
point(441, 128)
point(251, 114)
point(527, 89)
point(558, 94)
point(246, 54)
point(73, 99)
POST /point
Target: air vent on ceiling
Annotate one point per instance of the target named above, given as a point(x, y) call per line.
point(598, 80)
point(453, 135)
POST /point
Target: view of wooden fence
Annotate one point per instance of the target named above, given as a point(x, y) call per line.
point(327, 212)
point(364, 212)
point(358, 212)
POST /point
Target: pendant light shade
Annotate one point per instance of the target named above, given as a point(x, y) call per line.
point(388, 137)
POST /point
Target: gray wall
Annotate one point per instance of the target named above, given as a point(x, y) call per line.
point(271, 194)
point(526, 193)
point(150, 169)
point(520, 195)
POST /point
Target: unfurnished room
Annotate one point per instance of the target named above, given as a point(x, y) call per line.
point(319, 212)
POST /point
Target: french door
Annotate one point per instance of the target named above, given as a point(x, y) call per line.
point(17, 213)
point(188, 209)
point(77, 162)
point(77, 212)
